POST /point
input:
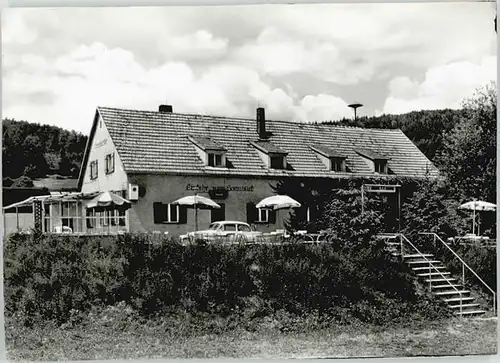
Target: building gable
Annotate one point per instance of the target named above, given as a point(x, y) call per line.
point(102, 168)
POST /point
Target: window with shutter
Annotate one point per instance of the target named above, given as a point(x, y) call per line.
point(110, 163)
point(94, 172)
point(159, 213)
point(271, 217)
point(262, 215)
point(301, 214)
point(165, 213)
point(218, 214)
point(182, 214)
point(251, 213)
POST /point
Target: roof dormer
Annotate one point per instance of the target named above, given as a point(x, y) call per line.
point(333, 160)
point(377, 162)
point(272, 156)
point(211, 153)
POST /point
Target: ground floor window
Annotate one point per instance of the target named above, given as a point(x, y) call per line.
point(257, 215)
point(168, 213)
point(109, 218)
point(263, 216)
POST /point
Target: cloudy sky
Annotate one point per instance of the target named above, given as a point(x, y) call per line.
point(301, 62)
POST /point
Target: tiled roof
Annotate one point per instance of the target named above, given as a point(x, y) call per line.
point(268, 147)
point(328, 152)
point(154, 142)
point(206, 143)
point(372, 155)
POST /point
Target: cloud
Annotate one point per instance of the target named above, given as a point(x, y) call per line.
point(323, 107)
point(67, 91)
point(201, 44)
point(443, 86)
point(278, 53)
point(299, 61)
point(15, 30)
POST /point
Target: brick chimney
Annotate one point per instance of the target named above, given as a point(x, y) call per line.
point(166, 109)
point(261, 123)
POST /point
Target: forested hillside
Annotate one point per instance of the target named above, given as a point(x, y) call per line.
point(32, 150)
point(424, 128)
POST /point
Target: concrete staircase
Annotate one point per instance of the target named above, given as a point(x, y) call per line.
point(434, 274)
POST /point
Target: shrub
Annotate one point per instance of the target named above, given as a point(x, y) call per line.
point(60, 278)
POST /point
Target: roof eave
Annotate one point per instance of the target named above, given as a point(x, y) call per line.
point(328, 155)
point(265, 151)
point(86, 155)
point(206, 148)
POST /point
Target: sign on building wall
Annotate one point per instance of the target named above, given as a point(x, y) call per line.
point(203, 188)
point(100, 143)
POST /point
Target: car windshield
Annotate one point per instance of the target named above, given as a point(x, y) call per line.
point(214, 226)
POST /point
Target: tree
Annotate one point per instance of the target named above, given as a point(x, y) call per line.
point(36, 165)
point(431, 209)
point(468, 156)
point(35, 149)
point(348, 223)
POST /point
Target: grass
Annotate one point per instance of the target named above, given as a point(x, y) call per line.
point(105, 338)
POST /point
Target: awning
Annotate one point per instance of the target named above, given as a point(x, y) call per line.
point(54, 198)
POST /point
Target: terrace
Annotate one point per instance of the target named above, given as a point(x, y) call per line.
point(74, 213)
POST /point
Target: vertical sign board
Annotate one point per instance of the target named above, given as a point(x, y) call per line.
point(37, 212)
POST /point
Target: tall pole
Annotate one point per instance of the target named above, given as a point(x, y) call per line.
point(355, 106)
point(399, 209)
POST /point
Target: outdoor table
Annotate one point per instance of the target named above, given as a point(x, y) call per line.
point(474, 240)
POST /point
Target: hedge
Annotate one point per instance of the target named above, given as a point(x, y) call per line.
point(51, 277)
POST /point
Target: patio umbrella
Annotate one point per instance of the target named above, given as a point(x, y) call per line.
point(196, 201)
point(477, 205)
point(108, 200)
point(277, 202)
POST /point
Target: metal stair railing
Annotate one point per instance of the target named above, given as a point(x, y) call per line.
point(403, 237)
point(464, 265)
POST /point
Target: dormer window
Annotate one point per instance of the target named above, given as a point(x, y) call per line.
point(338, 164)
point(209, 151)
point(272, 156)
point(277, 161)
point(333, 160)
point(376, 161)
point(214, 159)
point(380, 166)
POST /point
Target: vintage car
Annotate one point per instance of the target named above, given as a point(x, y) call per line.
point(225, 231)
